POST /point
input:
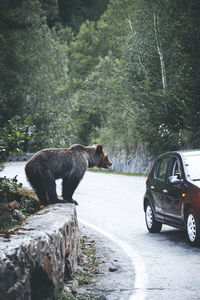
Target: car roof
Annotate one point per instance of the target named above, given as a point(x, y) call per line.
point(189, 152)
point(182, 153)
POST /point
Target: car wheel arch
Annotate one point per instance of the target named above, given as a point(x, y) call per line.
point(187, 207)
point(152, 224)
point(148, 200)
point(145, 203)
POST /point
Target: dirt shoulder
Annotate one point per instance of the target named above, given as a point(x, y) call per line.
point(101, 273)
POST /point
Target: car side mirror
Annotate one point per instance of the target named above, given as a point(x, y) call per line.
point(174, 179)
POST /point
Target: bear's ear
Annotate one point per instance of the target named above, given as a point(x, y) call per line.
point(99, 149)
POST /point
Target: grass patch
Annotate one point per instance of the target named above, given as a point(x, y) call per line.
point(66, 296)
point(110, 171)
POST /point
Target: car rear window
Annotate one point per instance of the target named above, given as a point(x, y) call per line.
point(192, 164)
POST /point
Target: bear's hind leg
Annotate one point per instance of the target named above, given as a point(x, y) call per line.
point(69, 186)
point(41, 195)
point(38, 186)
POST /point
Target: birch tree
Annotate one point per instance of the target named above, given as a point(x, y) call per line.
point(160, 50)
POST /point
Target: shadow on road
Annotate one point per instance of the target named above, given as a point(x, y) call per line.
point(171, 237)
point(174, 236)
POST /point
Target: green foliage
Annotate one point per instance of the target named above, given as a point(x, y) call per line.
point(25, 201)
point(65, 296)
point(14, 136)
point(7, 187)
point(159, 73)
point(75, 12)
point(33, 68)
point(118, 72)
point(8, 219)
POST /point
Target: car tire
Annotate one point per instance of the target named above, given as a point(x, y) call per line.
point(193, 228)
point(153, 226)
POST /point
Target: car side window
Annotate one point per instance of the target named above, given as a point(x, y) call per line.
point(161, 168)
point(176, 168)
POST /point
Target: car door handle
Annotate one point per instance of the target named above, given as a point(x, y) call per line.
point(165, 191)
point(152, 187)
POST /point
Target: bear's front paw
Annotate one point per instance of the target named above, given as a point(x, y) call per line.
point(74, 201)
point(71, 201)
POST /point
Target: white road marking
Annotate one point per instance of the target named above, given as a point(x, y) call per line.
point(139, 290)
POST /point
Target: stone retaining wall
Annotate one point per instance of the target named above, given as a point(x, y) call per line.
point(37, 257)
point(134, 161)
point(19, 156)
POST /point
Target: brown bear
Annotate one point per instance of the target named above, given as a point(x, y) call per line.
point(70, 164)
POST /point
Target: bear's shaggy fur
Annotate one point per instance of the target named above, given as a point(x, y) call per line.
point(70, 164)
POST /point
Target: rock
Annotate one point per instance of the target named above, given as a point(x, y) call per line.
point(40, 254)
point(113, 269)
point(66, 289)
point(95, 271)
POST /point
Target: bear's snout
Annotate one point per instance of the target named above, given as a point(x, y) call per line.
point(109, 163)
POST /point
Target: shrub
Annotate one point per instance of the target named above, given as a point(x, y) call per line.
point(16, 203)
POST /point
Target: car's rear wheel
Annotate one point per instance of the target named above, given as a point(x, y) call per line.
point(193, 228)
point(153, 226)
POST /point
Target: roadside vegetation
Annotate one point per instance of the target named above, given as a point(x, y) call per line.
point(123, 73)
point(90, 268)
point(110, 171)
point(16, 204)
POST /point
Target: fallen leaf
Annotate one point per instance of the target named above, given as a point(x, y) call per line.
point(14, 204)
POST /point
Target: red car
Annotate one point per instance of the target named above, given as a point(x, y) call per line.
point(173, 193)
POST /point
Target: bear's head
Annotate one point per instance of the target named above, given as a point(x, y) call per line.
point(104, 162)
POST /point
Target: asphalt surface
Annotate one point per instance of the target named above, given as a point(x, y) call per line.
point(151, 266)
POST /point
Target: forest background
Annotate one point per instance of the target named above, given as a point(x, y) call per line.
point(121, 72)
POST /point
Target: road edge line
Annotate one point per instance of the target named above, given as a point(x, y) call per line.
point(140, 283)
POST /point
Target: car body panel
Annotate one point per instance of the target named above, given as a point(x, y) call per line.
point(169, 198)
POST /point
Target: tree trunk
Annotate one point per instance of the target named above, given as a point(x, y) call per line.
point(160, 51)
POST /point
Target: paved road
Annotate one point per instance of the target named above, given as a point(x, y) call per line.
point(165, 266)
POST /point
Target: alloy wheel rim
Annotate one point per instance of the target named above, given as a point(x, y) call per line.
point(191, 227)
point(149, 216)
